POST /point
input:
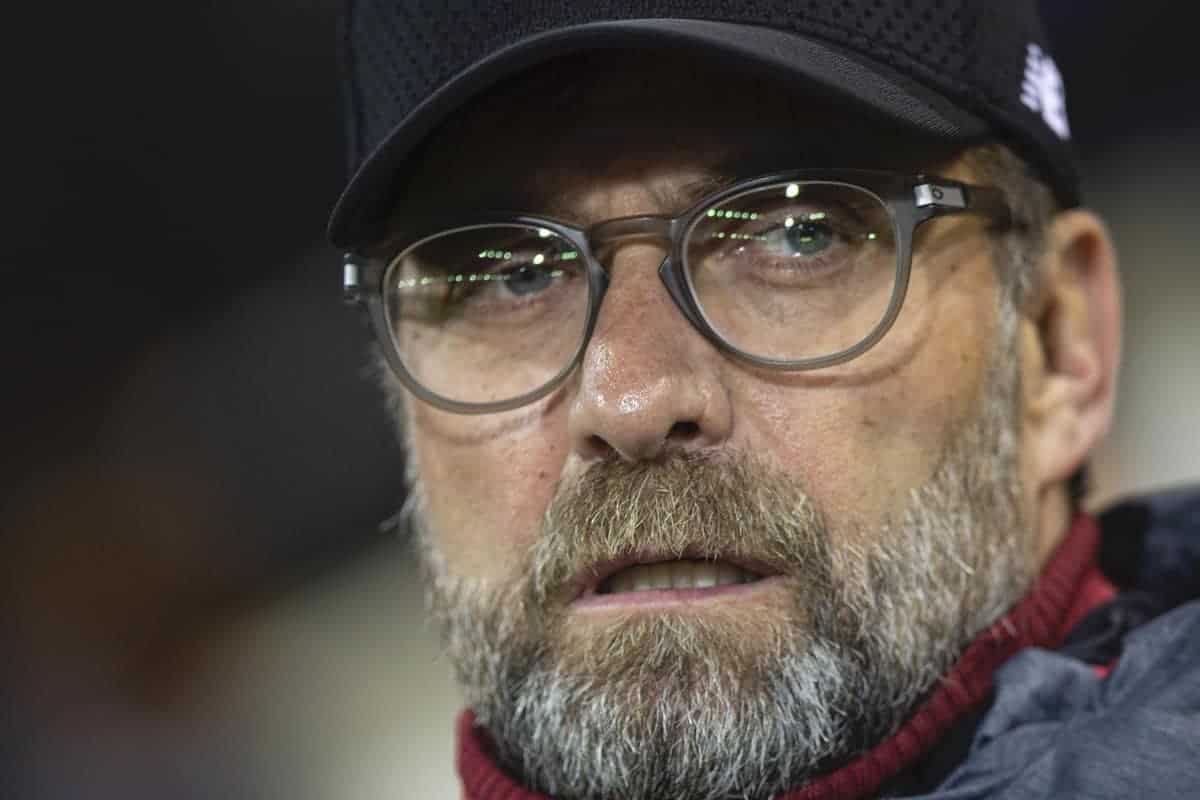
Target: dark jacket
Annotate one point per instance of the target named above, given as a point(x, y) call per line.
point(1115, 712)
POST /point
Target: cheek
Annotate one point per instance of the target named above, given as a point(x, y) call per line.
point(861, 440)
point(855, 453)
point(488, 481)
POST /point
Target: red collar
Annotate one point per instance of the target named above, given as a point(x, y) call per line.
point(1069, 587)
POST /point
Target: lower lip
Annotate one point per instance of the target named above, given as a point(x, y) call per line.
point(673, 598)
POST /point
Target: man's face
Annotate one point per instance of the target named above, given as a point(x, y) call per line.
point(872, 508)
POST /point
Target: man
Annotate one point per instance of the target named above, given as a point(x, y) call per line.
point(748, 360)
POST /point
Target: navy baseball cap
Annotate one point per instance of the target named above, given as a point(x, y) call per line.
point(955, 71)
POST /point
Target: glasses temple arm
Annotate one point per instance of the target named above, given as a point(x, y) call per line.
point(989, 202)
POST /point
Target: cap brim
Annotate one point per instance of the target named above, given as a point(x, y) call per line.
point(866, 84)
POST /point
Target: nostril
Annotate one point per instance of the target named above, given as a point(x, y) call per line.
point(599, 448)
point(681, 433)
point(684, 431)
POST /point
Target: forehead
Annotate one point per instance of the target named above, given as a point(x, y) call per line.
point(679, 123)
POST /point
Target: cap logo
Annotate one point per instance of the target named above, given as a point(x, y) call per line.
point(1043, 91)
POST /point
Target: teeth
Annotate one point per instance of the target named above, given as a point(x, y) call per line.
point(661, 578)
point(683, 576)
point(676, 575)
point(621, 582)
point(703, 578)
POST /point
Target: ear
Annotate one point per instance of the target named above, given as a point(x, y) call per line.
point(1071, 347)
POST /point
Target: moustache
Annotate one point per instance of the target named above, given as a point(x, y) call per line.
point(696, 506)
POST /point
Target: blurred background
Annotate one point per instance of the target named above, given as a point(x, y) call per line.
point(199, 598)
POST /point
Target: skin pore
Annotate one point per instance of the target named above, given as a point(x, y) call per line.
point(902, 500)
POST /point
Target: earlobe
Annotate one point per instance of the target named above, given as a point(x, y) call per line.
point(1071, 347)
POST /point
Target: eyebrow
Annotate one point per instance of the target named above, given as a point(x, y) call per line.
point(753, 162)
point(672, 198)
point(772, 156)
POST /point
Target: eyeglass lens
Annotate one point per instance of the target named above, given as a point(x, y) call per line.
point(789, 272)
point(794, 271)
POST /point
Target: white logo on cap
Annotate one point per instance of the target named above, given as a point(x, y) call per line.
point(1043, 90)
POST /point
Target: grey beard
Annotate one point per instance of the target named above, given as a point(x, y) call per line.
point(694, 706)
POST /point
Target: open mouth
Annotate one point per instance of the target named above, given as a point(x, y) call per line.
point(664, 582)
point(681, 574)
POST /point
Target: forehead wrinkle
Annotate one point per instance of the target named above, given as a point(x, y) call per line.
point(670, 180)
point(682, 181)
point(666, 196)
point(561, 193)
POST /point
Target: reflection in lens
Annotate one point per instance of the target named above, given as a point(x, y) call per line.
point(487, 313)
point(794, 271)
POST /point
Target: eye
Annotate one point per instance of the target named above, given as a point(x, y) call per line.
point(801, 238)
point(526, 279)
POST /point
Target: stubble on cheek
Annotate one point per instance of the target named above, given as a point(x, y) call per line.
point(485, 494)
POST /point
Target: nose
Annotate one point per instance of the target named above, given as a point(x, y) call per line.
point(649, 382)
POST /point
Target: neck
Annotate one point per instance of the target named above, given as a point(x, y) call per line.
point(1054, 515)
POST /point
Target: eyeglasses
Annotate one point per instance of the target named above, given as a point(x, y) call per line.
point(795, 271)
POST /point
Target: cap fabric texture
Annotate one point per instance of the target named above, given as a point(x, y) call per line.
point(955, 70)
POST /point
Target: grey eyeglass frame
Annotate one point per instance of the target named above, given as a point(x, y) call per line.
point(910, 200)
